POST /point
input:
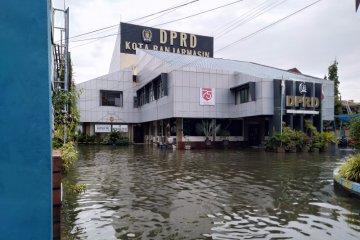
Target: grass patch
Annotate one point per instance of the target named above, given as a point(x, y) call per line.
point(350, 170)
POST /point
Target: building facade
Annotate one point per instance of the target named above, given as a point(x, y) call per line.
point(164, 97)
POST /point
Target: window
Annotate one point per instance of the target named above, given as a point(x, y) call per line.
point(142, 96)
point(234, 126)
point(111, 98)
point(245, 93)
point(157, 86)
point(136, 104)
point(152, 91)
point(242, 96)
point(189, 126)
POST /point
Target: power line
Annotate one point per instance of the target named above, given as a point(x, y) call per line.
point(116, 25)
point(181, 5)
point(84, 44)
point(171, 21)
point(97, 38)
point(268, 26)
point(100, 29)
point(250, 17)
point(161, 14)
point(199, 59)
point(236, 19)
point(206, 11)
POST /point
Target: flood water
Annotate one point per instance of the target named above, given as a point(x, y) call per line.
point(140, 192)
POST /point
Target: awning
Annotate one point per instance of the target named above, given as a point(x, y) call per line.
point(347, 118)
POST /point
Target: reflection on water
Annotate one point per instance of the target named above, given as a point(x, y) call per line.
point(147, 193)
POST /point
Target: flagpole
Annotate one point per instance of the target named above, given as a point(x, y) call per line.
point(321, 108)
point(321, 116)
point(282, 103)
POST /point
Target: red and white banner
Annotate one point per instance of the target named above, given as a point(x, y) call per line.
point(207, 96)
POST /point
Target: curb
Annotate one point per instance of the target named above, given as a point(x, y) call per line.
point(350, 186)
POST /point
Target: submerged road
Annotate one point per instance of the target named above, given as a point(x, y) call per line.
point(140, 192)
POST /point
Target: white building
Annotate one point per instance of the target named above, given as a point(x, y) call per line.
point(161, 95)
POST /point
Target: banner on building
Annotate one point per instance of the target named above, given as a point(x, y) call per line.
point(102, 128)
point(120, 128)
point(207, 96)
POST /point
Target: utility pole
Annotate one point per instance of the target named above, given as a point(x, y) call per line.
point(282, 103)
point(66, 77)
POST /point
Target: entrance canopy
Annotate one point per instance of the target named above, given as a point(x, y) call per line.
point(347, 118)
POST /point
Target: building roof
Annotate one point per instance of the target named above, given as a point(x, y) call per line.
point(294, 70)
point(262, 71)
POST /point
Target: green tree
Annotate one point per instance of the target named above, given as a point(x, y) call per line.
point(62, 119)
point(355, 132)
point(333, 76)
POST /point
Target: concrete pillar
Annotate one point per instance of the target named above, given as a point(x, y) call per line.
point(92, 129)
point(87, 127)
point(277, 106)
point(246, 130)
point(271, 126)
point(291, 119)
point(213, 132)
point(179, 131)
point(301, 122)
point(25, 120)
point(131, 133)
point(262, 131)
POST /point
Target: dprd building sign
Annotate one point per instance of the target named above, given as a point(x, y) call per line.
point(135, 36)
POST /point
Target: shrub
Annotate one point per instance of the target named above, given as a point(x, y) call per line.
point(122, 142)
point(290, 139)
point(115, 138)
point(98, 138)
point(350, 170)
point(355, 132)
point(310, 127)
point(290, 146)
point(320, 140)
point(77, 188)
point(224, 133)
point(106, 139)
point(81, 138)
point(68, 156)
point(57, 140)
point(89, 139)
point(272, 143)
point(277, 140)
point(317, 145)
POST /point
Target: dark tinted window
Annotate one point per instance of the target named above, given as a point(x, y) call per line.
point(111, 98)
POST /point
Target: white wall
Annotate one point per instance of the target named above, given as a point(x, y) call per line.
point(183, 94)
point(89, 102)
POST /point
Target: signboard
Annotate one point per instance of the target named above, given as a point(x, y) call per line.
point(207, 96)
point(302, 97)
point(102, 128)
point(135, 36)
point(120, 128)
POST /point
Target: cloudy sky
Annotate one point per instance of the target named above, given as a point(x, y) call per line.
point(310, 40)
